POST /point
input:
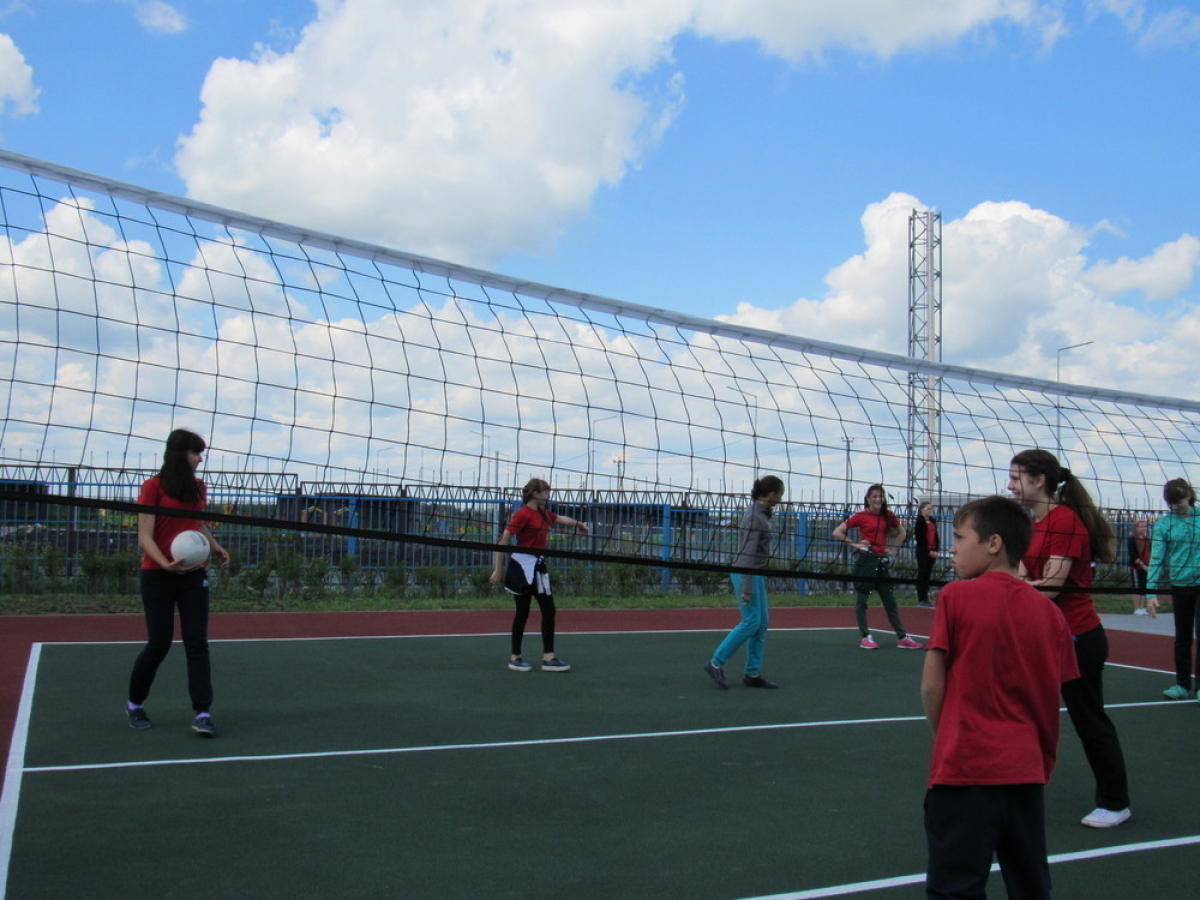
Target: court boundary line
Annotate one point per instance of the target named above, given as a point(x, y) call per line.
point(501, 745)
point(15, 767)
point(843, 890)
point(450, 634)
point(486, 745)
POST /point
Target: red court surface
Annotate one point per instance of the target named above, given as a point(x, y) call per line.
point(19, 633)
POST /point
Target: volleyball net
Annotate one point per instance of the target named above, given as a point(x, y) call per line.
point(355, 371)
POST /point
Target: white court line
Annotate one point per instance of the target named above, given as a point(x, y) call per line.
point(490, 745)
point(497, 745)
point(843, 890)
point(468, 634)
point(15, 767)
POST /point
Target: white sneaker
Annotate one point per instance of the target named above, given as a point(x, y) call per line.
point(1140, 612)
point(1105, 818)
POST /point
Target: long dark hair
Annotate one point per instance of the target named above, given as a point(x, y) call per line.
point(177, 476)
point(1065, 488)
point(883, 510)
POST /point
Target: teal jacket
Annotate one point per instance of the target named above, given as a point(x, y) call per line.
point(1175, 552)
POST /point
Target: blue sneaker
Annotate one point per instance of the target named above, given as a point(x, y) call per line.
point(555, 665)
point(519, 665)
point(138, 718)
point(203, 726)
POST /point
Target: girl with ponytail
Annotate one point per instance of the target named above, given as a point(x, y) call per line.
point(1068, 534)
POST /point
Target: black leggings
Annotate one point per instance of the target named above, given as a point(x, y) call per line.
point(1185, 608)
point(924, 575)
point(161, 593)
point(546, 605)
point(1084, 698)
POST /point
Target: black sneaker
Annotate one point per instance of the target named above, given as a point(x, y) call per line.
point(757, 681)
point(717, 675)
point(203, 726)
point(138, 718)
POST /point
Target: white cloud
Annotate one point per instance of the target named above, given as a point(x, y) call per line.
point(16, 80)
point(468, 129)
point(1165, 273)
point(460, 129)
point(160, 17)
point(883, 28)
point(1177, 27)
point(1017, 285)
point(1131, 13)
point(1174, 27)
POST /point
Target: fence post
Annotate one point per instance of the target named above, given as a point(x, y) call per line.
point(667, 541)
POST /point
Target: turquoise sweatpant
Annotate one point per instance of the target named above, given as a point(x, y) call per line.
point(752, 631)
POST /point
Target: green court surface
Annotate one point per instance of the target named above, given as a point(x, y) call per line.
point(420, 767)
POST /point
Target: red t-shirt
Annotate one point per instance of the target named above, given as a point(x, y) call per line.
point(531, 527)
point(167, 528)
point(1061, 533)
point(1008, 651)
point(931, 535)
point(874, 528)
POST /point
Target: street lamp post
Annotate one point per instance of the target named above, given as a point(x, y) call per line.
point(1058, 401)
point(592, 443)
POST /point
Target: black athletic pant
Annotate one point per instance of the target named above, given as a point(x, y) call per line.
point(924, 574)
point(1084, 698)
point(546, 605)
point(1185, 608)
point(161, 593)
point(965, 826)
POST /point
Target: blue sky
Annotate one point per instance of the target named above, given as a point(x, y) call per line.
point(755, 161)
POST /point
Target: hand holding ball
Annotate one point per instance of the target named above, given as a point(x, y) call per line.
point(191, 548)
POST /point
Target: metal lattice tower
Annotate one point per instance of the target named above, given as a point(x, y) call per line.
point(925, 343)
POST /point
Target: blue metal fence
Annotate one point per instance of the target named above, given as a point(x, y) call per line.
point(45, 543)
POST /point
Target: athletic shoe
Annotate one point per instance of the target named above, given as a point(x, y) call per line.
point(868, 643)
point(926, 604)
point(1105, 818)
point(757, 681)
point(907, 643)
point(716, 674)
point(203, 726)
point(138, 718)
point(1179, 692)
point(1140, 612)
point(519, 665)
point(555, 665)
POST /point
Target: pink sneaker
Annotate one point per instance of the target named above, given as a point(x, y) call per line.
point(907, 643)
point(868, 643)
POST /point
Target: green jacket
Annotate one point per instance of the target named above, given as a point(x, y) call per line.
point(1175, 552)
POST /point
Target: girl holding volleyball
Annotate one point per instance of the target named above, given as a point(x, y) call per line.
point(167, 583)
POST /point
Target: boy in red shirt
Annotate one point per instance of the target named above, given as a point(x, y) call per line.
point(994, 665)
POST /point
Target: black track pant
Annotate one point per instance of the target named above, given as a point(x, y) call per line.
point(162, 592)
